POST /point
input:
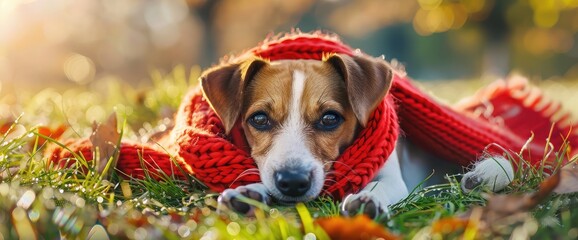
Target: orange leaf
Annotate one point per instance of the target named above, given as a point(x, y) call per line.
point(53, 133)
point(358, 227)
point(11, 130)
point(5, 127)
point(449, 225)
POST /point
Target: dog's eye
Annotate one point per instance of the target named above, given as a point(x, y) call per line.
point(260, 121)
point(329, 121)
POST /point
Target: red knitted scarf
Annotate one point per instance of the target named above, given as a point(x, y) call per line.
point(200, 147)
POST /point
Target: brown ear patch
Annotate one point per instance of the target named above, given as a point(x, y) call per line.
point(367, 80)
point(223, 88)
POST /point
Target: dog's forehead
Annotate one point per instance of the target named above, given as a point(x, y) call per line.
point(279, 76)
point(272, 86)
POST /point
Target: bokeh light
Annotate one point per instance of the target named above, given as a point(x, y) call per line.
point(79, 69)
point(79, 42)
point(436, 16)
point(55, 41)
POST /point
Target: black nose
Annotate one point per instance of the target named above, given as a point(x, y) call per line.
point(292, 183)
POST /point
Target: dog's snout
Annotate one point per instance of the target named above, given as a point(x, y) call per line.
point(293, 183)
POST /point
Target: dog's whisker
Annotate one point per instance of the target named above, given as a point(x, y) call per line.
point(334, 173)
point(330, 180)
point(324, 189)
point(342, 164)
point(327, 181)
point(326, 186)
point(250, 171)
point(326, 192)
point(338, 175)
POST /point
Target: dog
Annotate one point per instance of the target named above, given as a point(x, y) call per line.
point(298, 116)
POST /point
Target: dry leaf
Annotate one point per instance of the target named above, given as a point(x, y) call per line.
point(358, 227)
point(500, 206)
point(568, 179)
point(506, 210)
point(104, 140)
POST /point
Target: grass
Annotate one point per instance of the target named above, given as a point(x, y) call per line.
point(45, 202)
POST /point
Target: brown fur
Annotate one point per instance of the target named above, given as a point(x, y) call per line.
point(324, 90)
point(350, 86)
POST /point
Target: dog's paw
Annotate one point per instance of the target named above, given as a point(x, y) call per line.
point(233, 198)
point(363, 203)
point(494, 173)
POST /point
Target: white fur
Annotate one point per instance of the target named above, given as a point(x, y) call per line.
point(297, 89)
point(493, 172)
point(388, 183)
point(289, 148)
point(388, 187)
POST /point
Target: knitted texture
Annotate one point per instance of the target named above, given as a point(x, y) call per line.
point(198, 145)
point(456, 136)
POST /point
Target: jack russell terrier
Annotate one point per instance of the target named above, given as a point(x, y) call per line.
point(299, 115)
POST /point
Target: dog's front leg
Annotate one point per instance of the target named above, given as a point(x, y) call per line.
point(231, 198)
point(494, 173)
point(387, 188)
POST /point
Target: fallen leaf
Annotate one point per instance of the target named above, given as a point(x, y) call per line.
point(5, 127)
point(568, 179)
point(358, 227)
point(505, 210)
point(501, 206)
point(11, 131)
point(105, 138)
point(53, 133)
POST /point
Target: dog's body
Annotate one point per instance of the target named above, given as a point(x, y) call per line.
point(299, 115)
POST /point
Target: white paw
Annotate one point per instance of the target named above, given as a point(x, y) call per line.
point(231, 198)
point(494, 173)
point(364, 202)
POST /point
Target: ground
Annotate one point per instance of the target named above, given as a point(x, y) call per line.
point(40, 201)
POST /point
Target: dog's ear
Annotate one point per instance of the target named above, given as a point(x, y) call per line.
point(223, 88)
point(367, 81)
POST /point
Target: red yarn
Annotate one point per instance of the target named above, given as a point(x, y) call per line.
point(200, 147)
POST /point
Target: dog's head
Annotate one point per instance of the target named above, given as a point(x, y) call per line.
point(297, 115)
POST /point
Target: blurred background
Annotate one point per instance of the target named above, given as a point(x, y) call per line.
point(75, 62)
point(62, 43)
